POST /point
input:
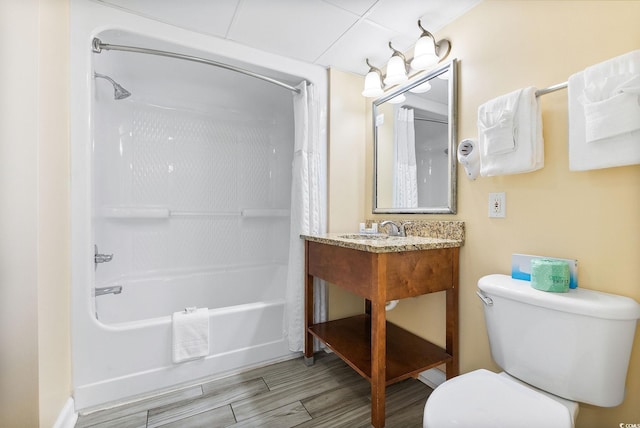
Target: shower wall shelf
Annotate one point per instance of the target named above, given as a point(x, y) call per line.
point(265, 213)
point(135, 212)
point(160, 213)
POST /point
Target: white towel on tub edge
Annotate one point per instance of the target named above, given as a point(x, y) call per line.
point(190, 334)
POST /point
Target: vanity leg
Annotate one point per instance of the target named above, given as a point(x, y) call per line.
point(308, 309)
point(378, 363)
point(452, 337)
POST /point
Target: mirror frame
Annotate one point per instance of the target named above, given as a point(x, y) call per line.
point(451, 207)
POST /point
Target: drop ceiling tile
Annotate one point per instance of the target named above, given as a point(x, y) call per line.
point(293, 28)
point(203, 16)
point(366, 40)
point(333, 33)
point(404, 17)
point(447, 12)
point(359, 7)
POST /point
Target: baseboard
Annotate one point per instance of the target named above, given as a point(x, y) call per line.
point(67, 417)
point(432, 377)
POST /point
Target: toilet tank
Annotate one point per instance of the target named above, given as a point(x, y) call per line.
point(575, 345)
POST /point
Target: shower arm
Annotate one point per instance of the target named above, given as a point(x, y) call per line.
point(98, 46)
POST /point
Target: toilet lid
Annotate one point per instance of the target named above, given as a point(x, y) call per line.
point(485, 399)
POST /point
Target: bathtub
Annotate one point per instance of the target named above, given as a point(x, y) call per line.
point(227, 290)
point(132, 330)
point(121, 343)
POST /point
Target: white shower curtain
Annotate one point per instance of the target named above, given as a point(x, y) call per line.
point(405, 188)
point(308, 211)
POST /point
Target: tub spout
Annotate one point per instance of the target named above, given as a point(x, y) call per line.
point(100, 291)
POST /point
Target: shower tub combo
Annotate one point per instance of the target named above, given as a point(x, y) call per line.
point(181, 198)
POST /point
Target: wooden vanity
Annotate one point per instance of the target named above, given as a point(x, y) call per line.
point(380, 271)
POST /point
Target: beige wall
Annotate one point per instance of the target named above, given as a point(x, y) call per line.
point(347, 129)
point(54, 281)
point(34, 234)
point(18, 242)
point(593, 216)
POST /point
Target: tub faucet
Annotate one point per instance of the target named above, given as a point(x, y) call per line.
point(395, 229)
point(101, 291)
point(101, 258)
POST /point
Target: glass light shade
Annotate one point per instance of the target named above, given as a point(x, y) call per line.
point(424, 54)
point(444, 76)
point(424, 87)
point(397, 99)
point(396, 71)
point(372, 85)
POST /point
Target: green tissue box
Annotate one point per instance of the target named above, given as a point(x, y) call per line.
point(550, 275)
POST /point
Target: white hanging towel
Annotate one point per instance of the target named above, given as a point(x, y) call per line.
point(190, 334)
point(604, 114)
point(510, 134)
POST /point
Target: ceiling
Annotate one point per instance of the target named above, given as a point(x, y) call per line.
point(329, 33)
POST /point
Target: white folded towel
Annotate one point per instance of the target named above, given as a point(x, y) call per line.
point(510, 134)
point(619, 114)
point(604, 114)
point(190, 334)
point(611, 97)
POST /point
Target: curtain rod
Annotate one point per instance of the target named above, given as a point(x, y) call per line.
point(550, 89)
point(98, 46)
point(431, 120)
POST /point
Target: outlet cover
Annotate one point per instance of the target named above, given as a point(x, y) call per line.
point(497, 205)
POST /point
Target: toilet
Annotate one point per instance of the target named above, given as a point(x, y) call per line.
point(556, 349)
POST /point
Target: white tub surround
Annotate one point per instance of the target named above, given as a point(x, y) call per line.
point(187, 183)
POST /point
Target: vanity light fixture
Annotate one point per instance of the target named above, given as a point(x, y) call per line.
point(421, 88)
point(397, 99)
point(396, 68)
point(428, 51)
point(373, 82)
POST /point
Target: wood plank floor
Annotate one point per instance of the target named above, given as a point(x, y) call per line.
point(328, 394)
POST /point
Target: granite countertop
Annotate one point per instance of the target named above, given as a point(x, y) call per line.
point(381, 243)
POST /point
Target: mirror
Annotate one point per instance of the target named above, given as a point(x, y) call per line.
point(414, 128)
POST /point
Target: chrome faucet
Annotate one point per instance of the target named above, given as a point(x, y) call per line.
point(100, 258)
point(395, 229)
point(101, 291)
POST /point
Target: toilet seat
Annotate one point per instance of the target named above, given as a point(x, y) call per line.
point(485, 399)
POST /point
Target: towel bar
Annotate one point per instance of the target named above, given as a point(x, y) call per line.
point(550, 89)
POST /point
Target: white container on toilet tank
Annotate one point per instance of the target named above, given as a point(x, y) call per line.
point(575, 345)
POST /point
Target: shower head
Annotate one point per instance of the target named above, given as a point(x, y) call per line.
point(119, 92)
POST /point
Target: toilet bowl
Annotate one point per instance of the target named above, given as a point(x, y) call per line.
point(483, 399)
point(540, 339)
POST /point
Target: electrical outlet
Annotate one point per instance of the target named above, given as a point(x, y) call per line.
point(497, 205)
